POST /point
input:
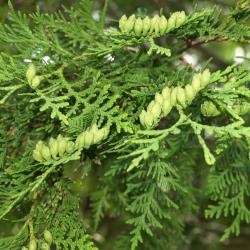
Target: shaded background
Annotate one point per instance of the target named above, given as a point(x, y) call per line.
point(200, 234)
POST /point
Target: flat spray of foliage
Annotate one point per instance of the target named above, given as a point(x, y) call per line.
point(146, 136)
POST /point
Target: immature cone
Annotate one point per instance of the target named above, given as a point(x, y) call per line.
point(181, 98)
point(154, 25)
point(138, 27)
point(142, 117)
point(146, 26)
point(209, 109)
point(80, 141)
point(189, 92)
point(159, 98)
point(46, 153)
point(244, 108)
point(89, 139)
point(173, 96)
point(48, 236)
point(35, 82)
point(157, 25)
point(99, 136)
point(171, 22)
point(94, 131)
point(37, 155)
point(70, 147)
point(106, 132)
point(122, 22)
point(130, 24)
point(163, 24)
point(180, 18)
point(156, 111)
point(37, 152)
point(53, 147)
point(196, 82)
point(150, 106)
point(166, 107)
point(166, 93)
point(149, 120)
point(31, 72)
point(32, 245)
point(205, 77)
point(62, 144)
point(39, 145)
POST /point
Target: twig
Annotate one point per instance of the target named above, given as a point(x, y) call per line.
point(190, 44)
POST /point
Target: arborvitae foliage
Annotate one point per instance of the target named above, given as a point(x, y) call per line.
point(114, 111)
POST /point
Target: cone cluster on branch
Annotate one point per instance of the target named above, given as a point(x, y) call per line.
point(158, 25)
point(170, 97)
point(55, 149)
point(61, 146)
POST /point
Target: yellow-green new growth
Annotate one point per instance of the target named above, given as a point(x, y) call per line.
point(170, 97)
point(156, 26)
point(242, 108)
point(209, 109)
point(91, 136)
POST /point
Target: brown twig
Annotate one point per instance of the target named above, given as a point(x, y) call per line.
point(190, 44)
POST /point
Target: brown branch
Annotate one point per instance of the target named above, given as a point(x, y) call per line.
point(191, 44)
